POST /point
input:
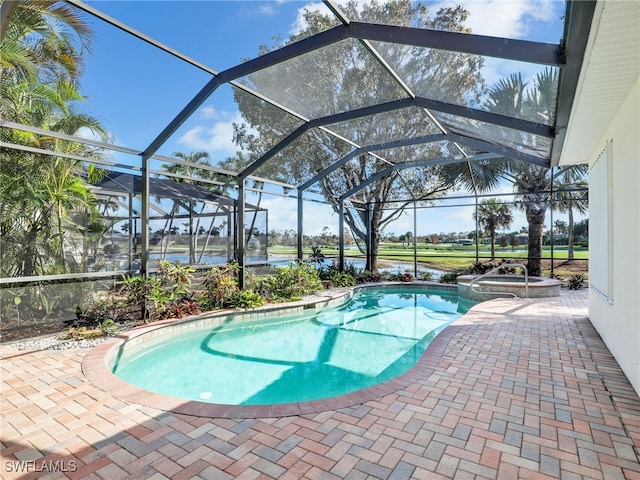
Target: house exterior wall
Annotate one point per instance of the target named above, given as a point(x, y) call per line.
point(618, 321)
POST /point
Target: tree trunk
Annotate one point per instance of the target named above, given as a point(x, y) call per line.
point(376, 217)
point(61, 236)
point(493, 244)
point(535, 217)
point(375, 245)
point(29, 257)
point(570, 253)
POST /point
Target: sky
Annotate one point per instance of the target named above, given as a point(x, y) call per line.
point(136, 90)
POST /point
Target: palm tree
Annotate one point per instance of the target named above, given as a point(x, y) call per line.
point(194, 159)
point(408, 236)
point(59, 187)
point(560, 226)
point(40, 68)
point(570, 201)
point(66, 193)
point(531, 183)
point(44, 43)
point(491, 216)
point(41, 51)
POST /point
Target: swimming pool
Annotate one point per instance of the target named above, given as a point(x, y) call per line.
point(377, 335)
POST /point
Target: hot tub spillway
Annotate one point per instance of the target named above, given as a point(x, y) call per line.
point(501, 286)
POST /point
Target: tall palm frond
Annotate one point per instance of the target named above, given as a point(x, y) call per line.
point(507, 96)
point(491, 216)
point(540, 100)
point(46, 40)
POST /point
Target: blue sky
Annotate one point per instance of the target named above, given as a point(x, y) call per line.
point(136, 90)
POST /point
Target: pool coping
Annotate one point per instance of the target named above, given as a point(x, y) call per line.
point(95, 365)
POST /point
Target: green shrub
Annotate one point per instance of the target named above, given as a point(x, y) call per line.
point(316, 256)
point(289, 283)
point(176, 276)
point(246, 299)
point(479, 268)
point(369, 277)
point(507, 270)
point(167, 294)
point(426, 276)
point(134, 293)
point(158, 299)
point(135, 290)
point(325, 272)
point(351, 269)
point(451, 277)
point(220, 284)
point(576, 282)
point(342, 279)
point(109, 327)
point(401, 277)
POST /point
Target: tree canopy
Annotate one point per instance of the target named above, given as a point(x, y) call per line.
point(344, 77)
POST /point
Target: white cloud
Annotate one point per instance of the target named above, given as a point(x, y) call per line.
point(255, 9)
point(497, 18)
point(495, 69)
point(299, 23)
point(216, 136)
point(504, 18)
point(267, 9)
point(516, 19)
point(208, 111)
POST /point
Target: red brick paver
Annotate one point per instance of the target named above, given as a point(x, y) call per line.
point(516, 389)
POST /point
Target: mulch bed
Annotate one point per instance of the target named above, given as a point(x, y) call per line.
point(34, 330)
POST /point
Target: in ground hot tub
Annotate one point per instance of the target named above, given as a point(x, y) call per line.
point(499, 286)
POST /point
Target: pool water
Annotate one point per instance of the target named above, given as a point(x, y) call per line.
point(378, 335)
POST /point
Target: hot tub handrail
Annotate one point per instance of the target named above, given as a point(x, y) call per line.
point(475, 281)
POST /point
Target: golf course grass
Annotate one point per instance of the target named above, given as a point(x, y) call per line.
point(445, 257)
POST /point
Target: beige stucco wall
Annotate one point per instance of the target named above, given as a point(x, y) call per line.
point(618, 322)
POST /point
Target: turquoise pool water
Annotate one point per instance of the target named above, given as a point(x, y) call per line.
point(378, 335)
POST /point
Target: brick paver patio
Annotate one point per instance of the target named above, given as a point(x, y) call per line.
point(516, 389)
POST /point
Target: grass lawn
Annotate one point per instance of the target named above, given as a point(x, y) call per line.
point(443, 257)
